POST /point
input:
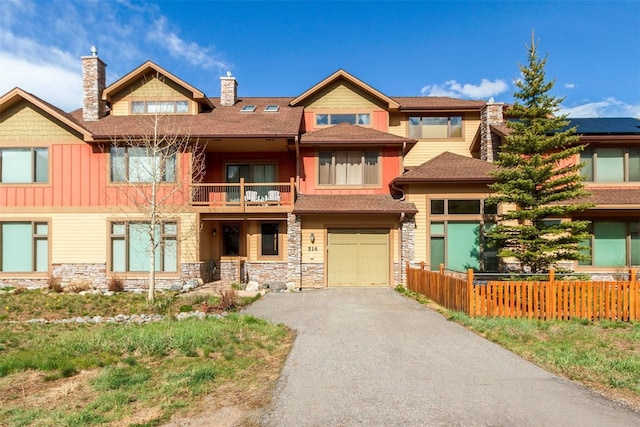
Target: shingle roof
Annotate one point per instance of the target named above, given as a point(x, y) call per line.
point(437, 103)
point(345, 132)
point(449, 167)
point(219, 122)
point(614, 196)
point(352, 203)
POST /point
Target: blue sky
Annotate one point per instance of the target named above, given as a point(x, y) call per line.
point(453, 48)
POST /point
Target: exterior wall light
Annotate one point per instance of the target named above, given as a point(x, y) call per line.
point(312, 238)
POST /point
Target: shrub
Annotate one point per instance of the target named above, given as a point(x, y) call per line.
point(115, 284)
point(55, 284)
point(77, 287)
point(228, 300)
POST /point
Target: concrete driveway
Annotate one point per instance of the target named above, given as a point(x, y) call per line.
point(372, 357)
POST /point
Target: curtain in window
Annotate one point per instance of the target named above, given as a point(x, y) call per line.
point(609, 245)
point(463, 239)
point(634, 232)
point(370, 167)
point(17, 165)
point(325, 168)
point(17, 247)
point(610, 165)
point(634, 164)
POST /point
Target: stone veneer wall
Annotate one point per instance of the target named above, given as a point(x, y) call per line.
point(312, 275)
point(294, 248)
point(230, 270)
point(491, 114)
point(265, 272)
point(95, 276)
point(407, 246)
point(93, 84)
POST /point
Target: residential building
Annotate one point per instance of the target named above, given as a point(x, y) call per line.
point(339, 186)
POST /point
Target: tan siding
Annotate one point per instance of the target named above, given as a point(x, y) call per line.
point(343, 95)
point(23, 122)
point(420, 200)
point(151, 89)
point(79, 238)
point(189, 235)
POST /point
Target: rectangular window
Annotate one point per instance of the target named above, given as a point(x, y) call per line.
point(460, 245)
point(459, 207)
point(24, 247)
point(269, 233)
point(611, 164)
point(24, 165)
point(131, 243)
point(138, 164)
point(613, 244)
point(363, 119)
point(348, 168)
point(435, 127)
point(161, 107)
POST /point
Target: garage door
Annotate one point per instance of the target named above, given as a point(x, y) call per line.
point(358, 257)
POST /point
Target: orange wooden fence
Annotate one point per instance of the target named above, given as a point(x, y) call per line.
point(564, 300)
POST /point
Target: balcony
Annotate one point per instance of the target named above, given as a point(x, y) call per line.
point(244, 197)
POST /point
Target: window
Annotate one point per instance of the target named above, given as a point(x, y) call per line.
point(348, 168)
point(24, 247)
point(24, 165)
point(138, 164)
point(613, 244)
point(269, 233)
point(611, 164)
point(271, 108)
point(461, 207)
point(335, 119)
point(248, 109)
point(130, 243)
point(460, 245)
point(164, 107)
point(231, 240)
point(435, 127)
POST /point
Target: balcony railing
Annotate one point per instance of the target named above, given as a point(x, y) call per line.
point(243, 197)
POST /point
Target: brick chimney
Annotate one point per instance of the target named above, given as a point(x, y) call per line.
point(228, 90)
point(93, 83)
point(490, 115)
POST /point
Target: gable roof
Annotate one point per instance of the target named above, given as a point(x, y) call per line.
point(352, 203)
point(437, 103)
point(196, 94)
point(342, 74)
point(353, 134)
point(219, 122)
point(16, 95)
point(449, 167)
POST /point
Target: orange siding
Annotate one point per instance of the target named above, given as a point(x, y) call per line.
point(381, 121)
point(78, 178)
point(390, 161)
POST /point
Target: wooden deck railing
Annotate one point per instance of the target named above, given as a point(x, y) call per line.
point(543, 300)
point(243, 196)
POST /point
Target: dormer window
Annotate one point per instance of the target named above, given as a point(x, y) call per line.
point(164, 107)
point(363, 119)
point(271, 108)
point(248, 109)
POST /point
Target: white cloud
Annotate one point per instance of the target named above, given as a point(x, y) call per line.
point(193, 53)
point(452, 88)
point(569, 86)
point(609, 107)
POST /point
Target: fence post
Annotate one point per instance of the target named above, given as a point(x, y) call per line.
point(441, 268)
point(632, 275)
point(470, 288)
point(552, 275)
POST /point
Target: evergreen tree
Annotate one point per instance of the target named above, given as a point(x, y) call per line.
point(537, 178)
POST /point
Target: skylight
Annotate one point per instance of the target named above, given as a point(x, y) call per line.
point(248, 109)
point(271, 108)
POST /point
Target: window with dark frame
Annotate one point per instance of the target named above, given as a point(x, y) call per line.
point(610, 164)
point(138, 164)
point(269, 239)
point(24, 247)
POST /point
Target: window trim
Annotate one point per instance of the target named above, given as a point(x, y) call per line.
point(125, 181)
point(363, 160)
point(481, 200)
point(593, 159)
point(280, 238)
point(125, 237)
point(34, 238)
point(357, 114)
point(448, 117)
point(145, 104)
point(33, 164)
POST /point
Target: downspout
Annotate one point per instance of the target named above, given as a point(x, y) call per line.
point(297, 143)
point(400, 263)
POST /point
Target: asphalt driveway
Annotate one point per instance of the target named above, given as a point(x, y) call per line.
point(372, 357)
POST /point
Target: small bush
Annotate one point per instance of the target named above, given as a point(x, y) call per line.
point(116, 284)
point(78, 287)
point(185, 308)
point(228, 300)
point(55, 284)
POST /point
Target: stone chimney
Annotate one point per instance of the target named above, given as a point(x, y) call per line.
point(228, 90)
point(93, 83)
point(490, 115)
